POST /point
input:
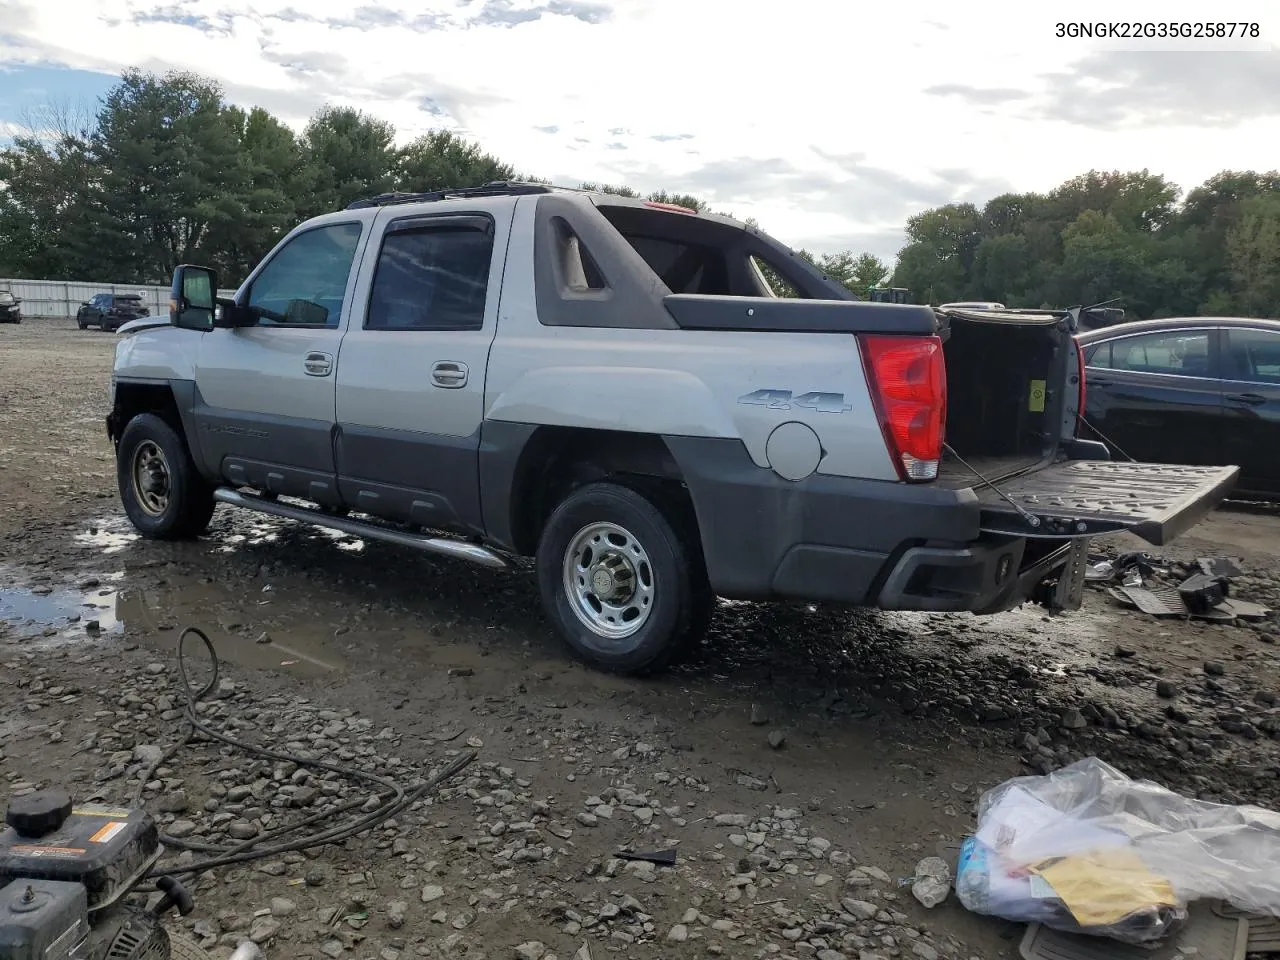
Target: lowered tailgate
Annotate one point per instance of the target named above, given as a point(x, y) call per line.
point(1086, 498)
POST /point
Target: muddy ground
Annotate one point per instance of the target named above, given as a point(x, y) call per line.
point(800, 766)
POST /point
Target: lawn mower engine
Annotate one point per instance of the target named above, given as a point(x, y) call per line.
point(66, 873)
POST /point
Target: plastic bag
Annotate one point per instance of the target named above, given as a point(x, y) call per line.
point(1088, 850)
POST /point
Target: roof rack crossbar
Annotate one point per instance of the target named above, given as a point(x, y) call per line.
point(497, 188)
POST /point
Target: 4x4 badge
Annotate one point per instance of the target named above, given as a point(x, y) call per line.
point(783, 400)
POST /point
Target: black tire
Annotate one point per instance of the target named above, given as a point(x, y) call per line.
point(180, 504)
point(80, 323)
point(669, 555)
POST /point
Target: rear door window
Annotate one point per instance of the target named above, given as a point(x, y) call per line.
point(1254, 355)
point(432, 277)
point(1177, 353)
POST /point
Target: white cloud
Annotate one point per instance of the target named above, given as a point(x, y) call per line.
point(828, 121)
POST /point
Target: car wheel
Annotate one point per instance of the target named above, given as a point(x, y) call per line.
point(622, 577)
point(163, 494)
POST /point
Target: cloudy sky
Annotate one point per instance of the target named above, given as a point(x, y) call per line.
point(829, 121)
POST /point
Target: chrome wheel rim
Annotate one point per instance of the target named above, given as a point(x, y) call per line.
point(609, 582)
point(151, 478)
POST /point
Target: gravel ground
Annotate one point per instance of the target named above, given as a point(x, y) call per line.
point(800, 766)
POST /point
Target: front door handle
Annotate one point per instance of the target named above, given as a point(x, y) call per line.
point(1252, 399)
point(318, 364)
point(449, 374)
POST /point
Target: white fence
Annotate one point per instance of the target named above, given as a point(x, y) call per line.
point(62, 298)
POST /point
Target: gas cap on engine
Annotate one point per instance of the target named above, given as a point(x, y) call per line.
point(38, 813)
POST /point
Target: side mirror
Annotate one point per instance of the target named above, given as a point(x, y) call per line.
point(192, 297)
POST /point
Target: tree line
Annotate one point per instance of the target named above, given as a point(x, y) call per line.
point(167, 172)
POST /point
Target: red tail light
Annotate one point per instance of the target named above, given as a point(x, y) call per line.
point(908, 381)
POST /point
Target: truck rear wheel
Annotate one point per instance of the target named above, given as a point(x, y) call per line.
point(622, 578)
point(162, 492)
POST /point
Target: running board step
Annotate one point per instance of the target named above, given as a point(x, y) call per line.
point(357, 528)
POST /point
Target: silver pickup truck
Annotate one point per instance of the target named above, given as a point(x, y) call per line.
point(615, 388)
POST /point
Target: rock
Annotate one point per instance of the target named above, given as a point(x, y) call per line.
point(932, 881)
point(318, 876)
point(241, 830)
point(147, 753)
point(777, 739)
point(587, 819)
point(1166, 689)
point(264, 929)
point(304, 797)
point(181, 828)
point(732, 820)
point(862, 909)
point(831, 955)
point(678, 934)
point(396, 911)
point(174, 802)
point(644, 815)
point(759, 716)
point(332, 948)
point(531, 950)
point(924, 951)
point(283, 907)
point(1073, 719)
point(1124, 652)
point(1215, 668)
point(431, 893)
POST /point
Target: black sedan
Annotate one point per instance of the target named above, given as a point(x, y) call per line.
point(1194, 390)
point(110, 311)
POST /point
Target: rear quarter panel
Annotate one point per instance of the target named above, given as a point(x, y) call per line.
point(675, 382)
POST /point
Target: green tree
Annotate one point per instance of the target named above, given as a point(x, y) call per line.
point(441, 159)
point(1253, 248)
point(347, 156)
point(171, 174)
point(273, 184)
point(938, 258)
point(43, 198)
point(679, 200)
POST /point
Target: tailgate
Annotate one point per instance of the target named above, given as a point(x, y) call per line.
point(1086, 498)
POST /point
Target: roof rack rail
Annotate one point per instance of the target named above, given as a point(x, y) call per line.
point(497, 188)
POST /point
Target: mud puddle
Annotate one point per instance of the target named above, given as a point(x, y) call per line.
point(89, 611)
point(156, 616)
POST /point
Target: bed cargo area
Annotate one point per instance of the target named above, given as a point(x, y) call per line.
point(1006, 375)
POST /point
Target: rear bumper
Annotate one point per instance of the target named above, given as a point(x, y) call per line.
point(862, 542)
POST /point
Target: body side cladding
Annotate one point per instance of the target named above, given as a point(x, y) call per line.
point(693, 311)
point(632, 296)
point(172, 399)
point(424, 478)
point(525, 467)
point(751, 520)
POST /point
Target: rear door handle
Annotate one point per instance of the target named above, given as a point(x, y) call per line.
point(449, 374)
point(1252, 399)
point(318, 364)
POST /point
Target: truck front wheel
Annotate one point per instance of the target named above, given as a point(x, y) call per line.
point(622, 578)
point(162, 492)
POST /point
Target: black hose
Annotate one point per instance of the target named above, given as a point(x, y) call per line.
point(393, 798)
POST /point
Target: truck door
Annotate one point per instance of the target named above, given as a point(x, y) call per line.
point(264, 404)
point(410, 388)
